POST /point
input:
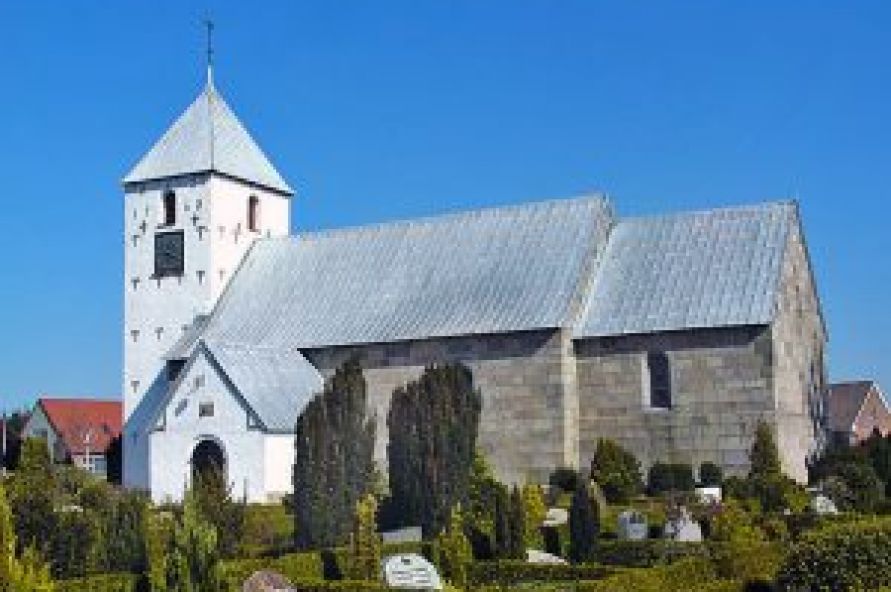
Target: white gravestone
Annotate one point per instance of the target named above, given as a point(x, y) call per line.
point(632, 526)
point(683, 528)
point(410, 571)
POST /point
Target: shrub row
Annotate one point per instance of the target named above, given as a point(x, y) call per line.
point(646, 553)
point(341, 586)
point(680, 576)
point(294, 566)
point(514, 572)
point(100, 583)
point(849, 556)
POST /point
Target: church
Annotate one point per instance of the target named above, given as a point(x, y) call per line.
point(673, 334)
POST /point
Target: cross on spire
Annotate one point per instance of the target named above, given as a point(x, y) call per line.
point(209, 25)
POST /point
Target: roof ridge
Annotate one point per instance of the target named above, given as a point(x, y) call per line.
point(752, 207)
point(597, 197)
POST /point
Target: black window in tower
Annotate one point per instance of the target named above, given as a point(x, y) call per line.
point(660, 379)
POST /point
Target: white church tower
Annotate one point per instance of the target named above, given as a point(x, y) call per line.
point(193, 206)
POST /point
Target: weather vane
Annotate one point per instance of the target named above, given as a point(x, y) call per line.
point(209, 25)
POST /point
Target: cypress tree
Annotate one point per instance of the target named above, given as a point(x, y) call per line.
point(583, 526)
point(26, 573)
point(366, 542)
point(764, 456)
point(516, 526)
point(193, 559)
point(534, 513)
point(502, 523)
point(333, 459)
point(32, 490)
point(433, 425)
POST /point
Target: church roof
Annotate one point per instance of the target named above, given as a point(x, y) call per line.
point(488, 271)
point(691, 270)
point(208, 137)
point(276, 384)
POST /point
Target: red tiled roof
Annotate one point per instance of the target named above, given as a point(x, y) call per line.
point(79, 422)
point(845, 401)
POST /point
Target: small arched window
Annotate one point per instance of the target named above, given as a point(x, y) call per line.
point(253, 214)
point(169, 208)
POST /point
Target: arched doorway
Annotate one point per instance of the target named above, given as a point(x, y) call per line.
point(208, 459)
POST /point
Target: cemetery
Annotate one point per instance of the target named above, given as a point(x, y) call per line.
point(439, 519)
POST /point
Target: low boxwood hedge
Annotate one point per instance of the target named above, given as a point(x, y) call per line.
point(681, 576)
point(515, 572)
point(294, 566)
point(100, 583)
point(848, 556)
point(646, 553)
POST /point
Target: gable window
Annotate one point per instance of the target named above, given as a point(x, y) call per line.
point(253, 217)
point(169, 208)
point(659, 371)
point(205, 409)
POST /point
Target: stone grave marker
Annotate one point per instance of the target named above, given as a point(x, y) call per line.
point(410, 571)
point(632, 526)
point(683, 528)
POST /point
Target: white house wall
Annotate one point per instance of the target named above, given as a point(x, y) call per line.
point(172, 446)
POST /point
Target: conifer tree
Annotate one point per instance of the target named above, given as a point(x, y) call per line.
point(583, 526)
point(366, 542)
point(517, 526)
point(502, 523)
point(534, 513)
point(333, 459)
point(455, 550)
point(433, 425)
point(32, 489)
point(764, 456)
point(193, 560)
point(25, 574)
point(213, 499)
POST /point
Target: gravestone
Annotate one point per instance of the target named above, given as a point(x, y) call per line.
point(822, 505)
point(708, 495)
point(409, 534)
point(267, 581)
point(683, 528)
point(556, 517)
point(540, 557)
point(410, 571)
point(632, 526)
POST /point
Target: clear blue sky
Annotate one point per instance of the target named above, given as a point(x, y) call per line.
point(383, 110)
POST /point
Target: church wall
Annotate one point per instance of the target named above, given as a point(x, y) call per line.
point(523, 380)
point(279, 462)
point(183, 430)
point(799, 362)
point(722, 386)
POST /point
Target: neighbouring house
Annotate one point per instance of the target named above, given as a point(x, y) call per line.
point(855, 409)
point(77, 430)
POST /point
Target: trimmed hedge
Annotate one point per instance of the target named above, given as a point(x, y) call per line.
point(294, 566)
point(341, 586)
point(515, 572)
point(646, 553)
point(848, 556)
point(747, 562)
point(681, 576)
point(100, 583)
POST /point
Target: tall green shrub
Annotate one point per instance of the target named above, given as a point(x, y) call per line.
point(583, 526)
point(333, 459)
point(215, 504)
point(433, 425)
point(616, 471)
point(27, 573)
point(31, 495)
point(517, 526)
point(366, 544)
point(764, 455)
point(192, 555)
point(534, 513)
point(456, 555)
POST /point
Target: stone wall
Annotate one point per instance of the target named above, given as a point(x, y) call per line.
point(799, 364)
point(524, 379)
point(721, 387)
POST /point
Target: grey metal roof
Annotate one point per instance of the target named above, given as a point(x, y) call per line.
point(487, 271)
point(183, 346)
point(701, 269)
point(208, 137)
point(277, 384)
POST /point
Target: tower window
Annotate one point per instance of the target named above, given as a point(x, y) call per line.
point(659, 370)
point(169, 208)
point(253, 213)
point(205, 409)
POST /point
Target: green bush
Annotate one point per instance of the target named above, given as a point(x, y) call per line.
point(565, 479)
point(681, 576)
point(341, 586)
point(294, 566)
point(616, 471)
point(100, 583)
point(855, 555)
point(268, 529)
point(747, 561)
point(665, 477)
point(505, 573)
point(647, 553)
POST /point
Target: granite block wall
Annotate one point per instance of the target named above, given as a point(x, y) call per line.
point(524, 378)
